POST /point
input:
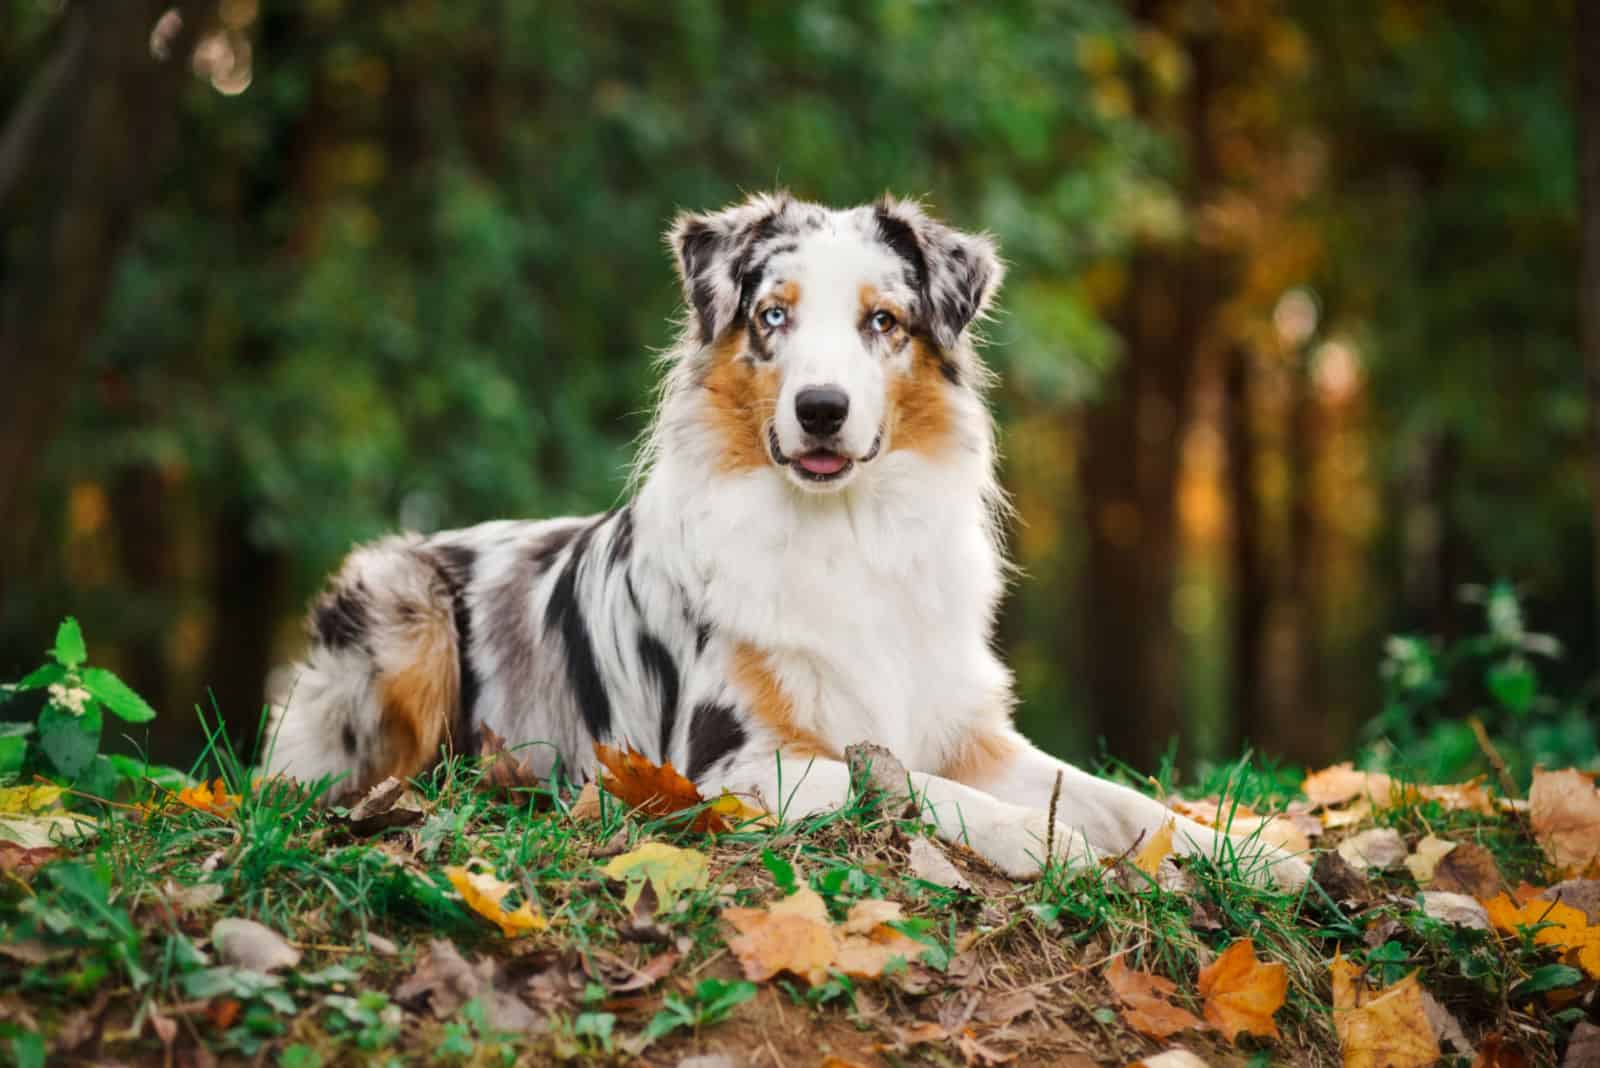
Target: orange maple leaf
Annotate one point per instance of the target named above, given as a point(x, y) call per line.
point(1387, 1028)
point(659, 790)
point(796, 936)
point(1145, 1004)
point(1241, 993)
point(1560, 926)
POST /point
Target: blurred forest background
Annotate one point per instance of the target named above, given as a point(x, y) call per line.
point(1291, 342)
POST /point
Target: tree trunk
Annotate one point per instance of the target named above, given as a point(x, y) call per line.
point(78, 158)
point(1251, 575)
point(1587, 38)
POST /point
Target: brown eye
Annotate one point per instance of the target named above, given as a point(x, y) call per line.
point(881, 322)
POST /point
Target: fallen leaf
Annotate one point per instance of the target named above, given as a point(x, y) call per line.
point(649, 974)
point(192, 897)
point(24, 862)
point(1157, 849)
point(1144, 997)
point(1566, 928)
point(213, 798)
point(1583, 1048)
point(876, 775)
point(866, 915)
point(975, 1051)
point(1581, 894)
point(22, 800)
point(832, 1060)
point(1290, 831)
point(251, 945)
point(1425, 859)
point(1334, 819)
point(443, 981)
point(669, 871)
point(919, 1033)
point(792, 936)
point(1457, 909)
point(483, 894)
point(1387, 1028)
point(503, 770)
point(587, 805)
point(655, 789)
point(1338, 879)
point(391, 803)
point(1470, 869)
point(1340, 783)
point(1497, 1052)
point(1241, 993)
point(1564, 810)
point(929, 863)
point(223, 1012)
point(1002, 1009)
point(1446, 1028)
point(1470, 796)
point(1172, 1058)
point(1380, 847)
point(53, 828)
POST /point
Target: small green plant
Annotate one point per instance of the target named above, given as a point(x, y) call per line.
point(64, 742)
point(712, 1002)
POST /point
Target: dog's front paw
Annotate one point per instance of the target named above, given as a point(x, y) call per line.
point(1018, 846)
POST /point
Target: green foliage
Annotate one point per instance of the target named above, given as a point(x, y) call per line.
point(712, 1001)
point(1433, 688)
point(64, 742)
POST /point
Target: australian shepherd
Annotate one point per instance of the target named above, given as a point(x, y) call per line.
point(812, 558)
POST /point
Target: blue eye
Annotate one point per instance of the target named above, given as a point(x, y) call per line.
point(881, 322)
point(774, 317)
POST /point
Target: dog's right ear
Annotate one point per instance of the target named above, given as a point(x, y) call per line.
point(712, 252)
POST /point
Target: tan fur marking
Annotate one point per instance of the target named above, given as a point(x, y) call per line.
point(980, 757)
point(740, 397)
point(918, 406)
point(871, 300)
point(772, 706)
point(787, 293)
point(419, 702)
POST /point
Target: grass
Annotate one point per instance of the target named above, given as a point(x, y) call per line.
point(114, 959)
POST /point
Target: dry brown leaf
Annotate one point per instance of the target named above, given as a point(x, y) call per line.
point(391, 803)
point(1425, 859)
point(252, 945)
point(1581, 894)
point(1381, 1029)
point(1342, 782)
point(1470, 796)
point(1380, 847)
point(1497, 1052)
point(1157, 849)
point(1145, 1000)
point(1564, 809)
point(1583, 1048)
point(1457, 909)
point(443, 981)
point(929, 864)
point(866, 956)
point(23, 861)
point(587, 805)
point(1469, 869)
point(504, 770)
point(792, 936)
point(1241, 993)
point(866, 915)
point(1289, 831)
point(1565, 928)
point(658, 790)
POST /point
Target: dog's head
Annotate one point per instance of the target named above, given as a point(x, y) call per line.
point(825, 339)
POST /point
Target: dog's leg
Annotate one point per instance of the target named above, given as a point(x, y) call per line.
point(1012, 837)
point(1110, 816)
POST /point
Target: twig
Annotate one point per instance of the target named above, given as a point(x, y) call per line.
point(1050, 831)
point(1496, 761)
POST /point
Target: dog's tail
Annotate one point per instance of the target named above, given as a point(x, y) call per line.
point(380, 689)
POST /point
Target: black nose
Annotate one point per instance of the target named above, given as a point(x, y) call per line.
point(821, 409)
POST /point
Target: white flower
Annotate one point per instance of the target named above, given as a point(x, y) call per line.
point(71, 698)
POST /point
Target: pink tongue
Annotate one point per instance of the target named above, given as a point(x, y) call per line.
point(822, 463)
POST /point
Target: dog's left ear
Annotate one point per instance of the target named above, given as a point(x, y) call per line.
point(957, 273)
point(712, 251)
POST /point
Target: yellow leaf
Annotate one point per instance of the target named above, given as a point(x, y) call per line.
point(1342, 782)
point(1566, 928)
point(733, 808)
point(17, 800)
point(1425, 860)
point(1381, 1029)
point(483, 893)
point(213, 798)
point(1156, 850)
point(668, 870)
point(1241, 993)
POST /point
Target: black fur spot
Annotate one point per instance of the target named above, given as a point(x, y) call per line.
point(902, 241)
point(563, 613)
point(348, 736)
point(659, 665)
point(715, 733)
point(622, 537)
point(341, 619)
point(455, 564)
point(702, 637)
point(549, 547)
